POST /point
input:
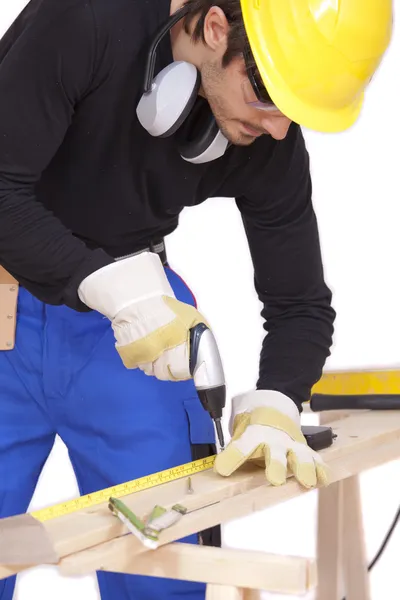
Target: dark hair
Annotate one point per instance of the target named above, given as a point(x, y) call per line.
point(237, 38)
point(238, 43)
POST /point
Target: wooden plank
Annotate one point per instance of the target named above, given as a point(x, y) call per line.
point(259, 498)
point(364, 441)
point(223, 566)
point(328, 416)
point(241, 505)
point(223, 592)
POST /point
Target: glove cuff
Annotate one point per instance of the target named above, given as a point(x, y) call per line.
point(247, 402)
point(266, 407)
point(125, 282)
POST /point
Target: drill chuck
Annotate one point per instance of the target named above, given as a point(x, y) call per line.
point(213, 400)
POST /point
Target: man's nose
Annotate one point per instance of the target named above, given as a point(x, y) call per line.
point(276, 126)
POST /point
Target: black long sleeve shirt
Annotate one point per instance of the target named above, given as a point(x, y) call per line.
point(81, 182)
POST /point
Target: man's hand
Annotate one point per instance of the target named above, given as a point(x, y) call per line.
point(151, 327)
point(265, 428)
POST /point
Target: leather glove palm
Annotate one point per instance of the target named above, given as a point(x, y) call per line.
point(265, 428)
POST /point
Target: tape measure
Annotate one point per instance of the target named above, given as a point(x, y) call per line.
point(123, 489)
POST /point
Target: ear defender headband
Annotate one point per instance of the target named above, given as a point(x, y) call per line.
point(170, 104)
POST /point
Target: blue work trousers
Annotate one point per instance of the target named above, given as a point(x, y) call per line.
point(65, 377)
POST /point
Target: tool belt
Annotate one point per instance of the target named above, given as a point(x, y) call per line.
point(8, 309)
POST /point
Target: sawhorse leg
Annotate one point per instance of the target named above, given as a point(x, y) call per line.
point(341, 555)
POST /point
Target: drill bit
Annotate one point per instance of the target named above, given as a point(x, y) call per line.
point(189, 486)
point(220, 434)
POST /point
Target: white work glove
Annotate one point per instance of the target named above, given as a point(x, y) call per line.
point(265, 429)
point(151, 327)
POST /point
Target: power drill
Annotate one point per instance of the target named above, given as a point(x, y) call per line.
point(206, 369)
point(208, 375)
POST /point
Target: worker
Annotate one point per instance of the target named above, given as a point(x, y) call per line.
point(114, 116)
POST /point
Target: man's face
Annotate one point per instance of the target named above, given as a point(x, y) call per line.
point(229, 93)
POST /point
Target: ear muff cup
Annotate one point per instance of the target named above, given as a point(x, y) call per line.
point(199, 138)
point(172, 96)
point(198, 131)
point(173, 106)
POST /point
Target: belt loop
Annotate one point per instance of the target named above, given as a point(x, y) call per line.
point(159, 248)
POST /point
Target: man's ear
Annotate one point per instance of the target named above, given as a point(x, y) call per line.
point(216, 29)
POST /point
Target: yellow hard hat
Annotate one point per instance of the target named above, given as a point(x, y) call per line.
point(316, 57)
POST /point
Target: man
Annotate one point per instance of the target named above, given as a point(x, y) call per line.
point(96, 164)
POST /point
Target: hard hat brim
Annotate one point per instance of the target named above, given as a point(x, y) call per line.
point(309, 116)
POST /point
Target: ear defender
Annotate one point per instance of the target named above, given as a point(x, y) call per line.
point(170, 103)
point(171, 98)
point(200, 139)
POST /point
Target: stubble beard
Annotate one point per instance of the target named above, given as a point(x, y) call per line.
point(212, 81)
point(228, 127)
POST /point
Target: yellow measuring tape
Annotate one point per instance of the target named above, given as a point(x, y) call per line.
point(123, 489)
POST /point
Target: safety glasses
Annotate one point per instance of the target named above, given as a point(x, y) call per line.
point(254, 91)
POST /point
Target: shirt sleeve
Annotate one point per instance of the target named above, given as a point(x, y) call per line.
point(46, 66)
point(282, 232)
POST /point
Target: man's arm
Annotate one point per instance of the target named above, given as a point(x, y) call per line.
point(282, 231)
point(45, 69)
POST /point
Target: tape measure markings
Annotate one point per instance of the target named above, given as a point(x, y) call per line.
point(123, 489)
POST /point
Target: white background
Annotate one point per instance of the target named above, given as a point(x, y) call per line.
point(357, 200)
